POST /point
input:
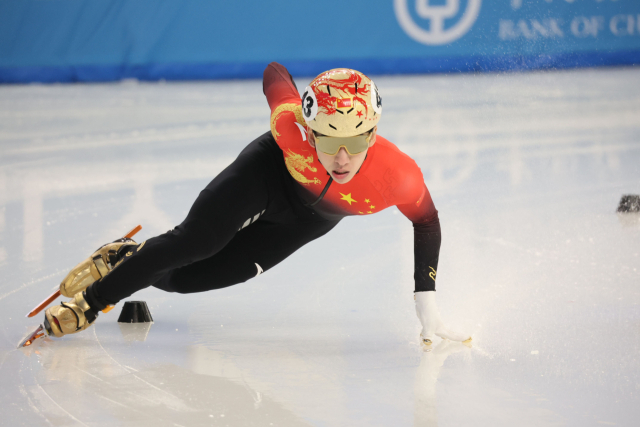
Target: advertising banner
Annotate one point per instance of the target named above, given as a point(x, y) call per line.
point(101, 40)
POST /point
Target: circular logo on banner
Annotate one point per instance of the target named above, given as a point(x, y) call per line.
point(436, 15)
point(309, 104)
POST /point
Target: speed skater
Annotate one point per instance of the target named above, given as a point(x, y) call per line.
point(322, 160)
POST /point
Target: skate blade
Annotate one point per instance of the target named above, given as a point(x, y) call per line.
point(44, 304)
point(40, 332)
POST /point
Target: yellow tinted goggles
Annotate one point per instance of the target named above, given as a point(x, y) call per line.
point(353, 144)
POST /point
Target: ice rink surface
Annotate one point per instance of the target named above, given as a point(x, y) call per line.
point(525, 169)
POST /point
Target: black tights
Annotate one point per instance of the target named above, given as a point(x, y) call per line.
point(247, 220)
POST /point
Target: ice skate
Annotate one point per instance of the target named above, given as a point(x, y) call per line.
point(77, 314)
point(98, 265)
point(70, 317)
point(67, 318)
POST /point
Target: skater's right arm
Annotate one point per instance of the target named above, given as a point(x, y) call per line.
point(279, 87)
point(287, 124)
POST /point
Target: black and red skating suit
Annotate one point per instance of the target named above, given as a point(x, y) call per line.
point(226, 239)
point(388, 177)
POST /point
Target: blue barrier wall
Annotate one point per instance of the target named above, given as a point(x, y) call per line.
point(100, 40)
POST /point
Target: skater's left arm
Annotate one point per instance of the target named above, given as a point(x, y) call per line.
point(426, 231)
point(420, 209)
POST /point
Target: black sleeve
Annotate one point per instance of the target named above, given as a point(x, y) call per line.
point(426, 248)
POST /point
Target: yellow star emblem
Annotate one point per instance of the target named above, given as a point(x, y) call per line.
point(369, 212)
point(367, 200)
point(372, 207)
point(360, 212)
point(348, 198)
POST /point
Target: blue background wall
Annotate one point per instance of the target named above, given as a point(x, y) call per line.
point(96, 40)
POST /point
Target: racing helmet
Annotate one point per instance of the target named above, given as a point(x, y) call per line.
point(341, 102)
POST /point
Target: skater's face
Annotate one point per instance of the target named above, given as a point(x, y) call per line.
point(342, 166)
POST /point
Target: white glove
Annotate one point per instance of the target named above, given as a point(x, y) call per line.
point(432, 324)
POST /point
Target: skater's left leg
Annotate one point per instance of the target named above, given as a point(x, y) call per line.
point(212, 222)
point(250, 187)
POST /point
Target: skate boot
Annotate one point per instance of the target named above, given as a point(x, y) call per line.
point(73, 316)
point(97, 266)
